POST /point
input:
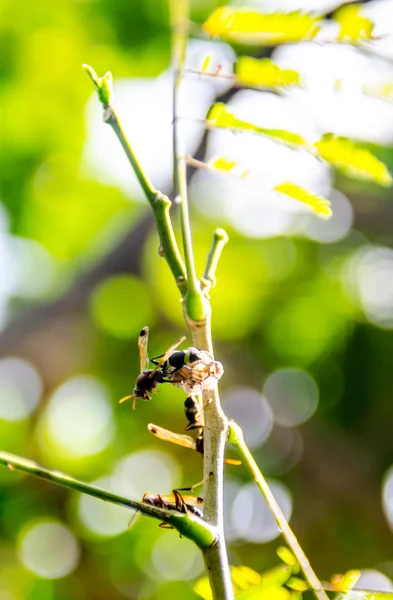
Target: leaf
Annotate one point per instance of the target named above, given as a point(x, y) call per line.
point(319, 204)
point(264, 73)
point(202, 588)
point(220, 116)
point(260, 593)
point(343, 154)
point(297, 584)
point(223, 164)
point(354, 27)
point(383, 90)
point(287, 556)
point(341, 583)
point(247, 26)
point(242, 578)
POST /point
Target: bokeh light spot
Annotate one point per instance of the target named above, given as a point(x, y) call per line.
point(102, 518)
point(368, 278)
point(78, 419)
point(120, 304)
point(49, 550)
point(176, 559)
point(252, 519)
point(293, 396)
point(251, 410)
point(148, 470)
point(20, 389)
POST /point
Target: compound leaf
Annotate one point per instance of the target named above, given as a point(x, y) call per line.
point(264, 73)
point(319, 204)
point(248, 26)
point(343, 154)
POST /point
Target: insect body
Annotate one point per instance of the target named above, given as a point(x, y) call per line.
point(176, 501)
point(190, 369)
point(193, 370)
point(194, 413)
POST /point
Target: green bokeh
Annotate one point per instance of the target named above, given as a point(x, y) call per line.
point(119, 304)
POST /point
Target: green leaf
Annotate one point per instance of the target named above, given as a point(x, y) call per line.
point(319, 204)
point(202, 588)
point(297, 584)
point(287, 556)
point(342, 583)
point(354, 27)
point(103, 85)
point(248, 26)
point(264, 73)
point(220, 116)
point(242, 578)
point(343, 154)
point(223, 164)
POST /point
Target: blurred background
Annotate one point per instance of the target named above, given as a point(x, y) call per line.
point(303, 308)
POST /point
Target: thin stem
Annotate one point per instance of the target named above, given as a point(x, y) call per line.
point(194, 298)
point(236, 438)
point(214, 437)
point(160, 203)
point(220, 238)
point(187, 524)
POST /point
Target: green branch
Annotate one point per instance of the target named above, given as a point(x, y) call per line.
point(187, 524)
point(236, 438)
point(220, 238)
point(194, 300)
point(160, 203)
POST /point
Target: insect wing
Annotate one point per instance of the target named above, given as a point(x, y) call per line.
point(142, 345)
point(174, 438)
point(167, 354)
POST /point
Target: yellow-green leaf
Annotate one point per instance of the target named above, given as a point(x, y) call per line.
point(383, 90)
point(341, 583)
point(297, 584)
point(223, 164)
point(264, 73)
point(220, 116)
point(248, 26)
point(354, 27)
point(242, 578)
point(287, 556)
point(352, 160)
point(202, 588)
point(260, 593)
point(319, 204)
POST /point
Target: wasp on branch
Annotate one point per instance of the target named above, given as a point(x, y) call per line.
point(175, 501)
point(190, 369)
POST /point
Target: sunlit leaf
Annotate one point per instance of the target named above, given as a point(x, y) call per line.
point(260, 593)
point(275, 577)
point(354, 27)
point(296, 596)
point(264, 73)
point(202, 588)
point(287, 556)
point(319, 204)
point(247, 26)
point(341, 582)
point(352, 160)
point(206, 63)
point(383, 91)
point(223, 164)
point(297, 584)
point(220, 116)
point(243, 578)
